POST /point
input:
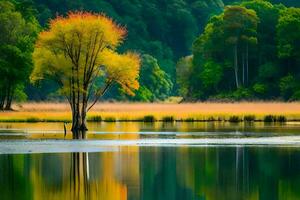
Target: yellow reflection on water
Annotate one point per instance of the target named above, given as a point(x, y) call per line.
point(154, 173)
point(137, 130)
point(71, 176)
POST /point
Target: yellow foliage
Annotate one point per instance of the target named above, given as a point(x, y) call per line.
point(121, 68)
point(81, 47)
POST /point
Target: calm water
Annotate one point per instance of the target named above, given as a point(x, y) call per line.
point(154, 172)
point(134, 130)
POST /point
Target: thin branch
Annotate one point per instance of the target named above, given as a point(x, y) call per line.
point(100, 94)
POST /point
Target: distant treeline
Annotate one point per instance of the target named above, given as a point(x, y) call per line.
point(249, 51)
point(163, 31)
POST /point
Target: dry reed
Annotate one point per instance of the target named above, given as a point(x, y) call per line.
point(136, 111)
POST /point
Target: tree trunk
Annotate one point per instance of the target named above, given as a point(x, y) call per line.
point(236, 66)
point(247, 64)
point(2, 99)
point(79, 113)
point(9, 97)
point(243, 63)
point(79, 127)
point(83, 113)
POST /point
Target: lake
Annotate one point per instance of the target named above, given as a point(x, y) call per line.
point(151, 161)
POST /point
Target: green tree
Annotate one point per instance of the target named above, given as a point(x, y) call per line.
point(288, 36)
point(209, 46)
point(268, 15)
point(183, 75)
point(211, 75)
point(240, 29)
point(17, 37)
point(288, 85)
point(234, 29)
point(155, 83)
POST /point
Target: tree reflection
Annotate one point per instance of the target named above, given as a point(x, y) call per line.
point(192, 173)
point(79, 176)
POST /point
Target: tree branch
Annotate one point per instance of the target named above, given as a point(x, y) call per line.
point(100, 94)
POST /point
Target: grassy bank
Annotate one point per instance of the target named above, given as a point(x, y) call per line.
point(111, 112)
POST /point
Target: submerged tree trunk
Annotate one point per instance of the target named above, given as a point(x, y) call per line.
point(79, 126)
point(236, 66)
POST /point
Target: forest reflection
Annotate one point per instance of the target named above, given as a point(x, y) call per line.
point(154, 173)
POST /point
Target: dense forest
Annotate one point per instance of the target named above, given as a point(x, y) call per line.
point(248, 51)
point(197, 49)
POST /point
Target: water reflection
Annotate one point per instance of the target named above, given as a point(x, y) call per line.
point(154, 173)
point(134, 130)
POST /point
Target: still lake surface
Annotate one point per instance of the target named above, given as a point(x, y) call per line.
point(36, 162)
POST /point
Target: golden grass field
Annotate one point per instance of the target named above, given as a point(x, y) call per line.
point(136, 111)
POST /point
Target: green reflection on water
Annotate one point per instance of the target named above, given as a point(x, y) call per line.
point(154, 173)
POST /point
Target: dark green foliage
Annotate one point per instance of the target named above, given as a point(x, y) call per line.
point(272, 118)
point(110, 119)
point(149, 118)
point(234, 119)
point(96, 118)
point(287, 86)
point(168, 119)
point(33, 120)
point(250, 51)
point(183, 74)
point(18, 30)
point(155, 84)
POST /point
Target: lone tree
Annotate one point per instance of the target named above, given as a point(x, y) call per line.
point(79, 53)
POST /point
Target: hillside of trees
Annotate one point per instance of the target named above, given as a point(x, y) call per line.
point(189, 48)
point(249, 51)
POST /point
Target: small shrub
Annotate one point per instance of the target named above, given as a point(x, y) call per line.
point(33, 119)
point(110, 119)
point(249, 118)
point(234, 119)
point(189, 120)
point(281, 118)
point(149, 118)
point(260, 89)
point(270, 118)
point(168, 119)
point(96, 118)
point(296, 96)
point(242, 93)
